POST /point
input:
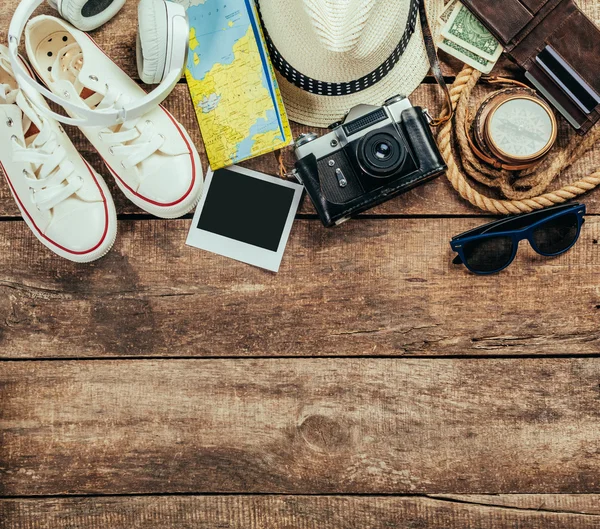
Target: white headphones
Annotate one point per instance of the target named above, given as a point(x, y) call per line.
point(87, 15)
point(162, 47)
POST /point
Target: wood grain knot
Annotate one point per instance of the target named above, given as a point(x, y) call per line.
point(324, 434)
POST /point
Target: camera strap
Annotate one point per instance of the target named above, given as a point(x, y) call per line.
point(436, 68)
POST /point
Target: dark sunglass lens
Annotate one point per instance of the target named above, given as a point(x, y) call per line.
point(556, 235)
point(488, 255)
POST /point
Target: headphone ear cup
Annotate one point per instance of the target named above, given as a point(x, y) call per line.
point(152, 40)
point(87, 15)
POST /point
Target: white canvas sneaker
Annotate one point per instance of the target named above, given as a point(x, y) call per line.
point(152, 158)
point(62, 199)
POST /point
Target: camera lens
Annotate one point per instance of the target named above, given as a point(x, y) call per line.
point(381, 154)
point(383, 150)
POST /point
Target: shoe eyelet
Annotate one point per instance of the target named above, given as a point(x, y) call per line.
point(81, 179)
point(111, 151)
point(67, 94)
point(123, 165)
point(10, 122)
point(14, 138)
point(162, 136)
point(93, 78)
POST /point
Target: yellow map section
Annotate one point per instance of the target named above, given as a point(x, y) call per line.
point(266, 142)
point(229, 100)
point(193, 40)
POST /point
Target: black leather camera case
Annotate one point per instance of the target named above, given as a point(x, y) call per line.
point(426, 155)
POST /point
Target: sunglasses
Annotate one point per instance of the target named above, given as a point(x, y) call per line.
point(492, 247)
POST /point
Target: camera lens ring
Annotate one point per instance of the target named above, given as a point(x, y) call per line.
point(381, 154)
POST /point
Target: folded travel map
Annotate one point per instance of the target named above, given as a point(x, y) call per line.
point(232, 82)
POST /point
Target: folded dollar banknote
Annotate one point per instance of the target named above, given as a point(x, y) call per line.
point(465, 38)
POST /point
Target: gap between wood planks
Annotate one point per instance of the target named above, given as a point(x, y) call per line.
point(306, 216)
point(303, 357)
point(455, 499)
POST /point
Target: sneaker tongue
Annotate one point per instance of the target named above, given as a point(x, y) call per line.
point(91, 85)
point(71, 74)
point(6, 68)
point(32, 130)
point(7, 95)
point(89, 80)
point(32, 123)
point(86, 72)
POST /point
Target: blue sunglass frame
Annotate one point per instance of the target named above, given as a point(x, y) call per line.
point(516, 235)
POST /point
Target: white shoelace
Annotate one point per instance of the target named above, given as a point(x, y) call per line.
point(135, 140)
point(53, 178)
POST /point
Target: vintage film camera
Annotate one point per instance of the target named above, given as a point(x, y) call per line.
point(373, 155)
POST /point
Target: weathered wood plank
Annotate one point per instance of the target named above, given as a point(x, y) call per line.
point(300, 426)
point(435, 198)
point(561, 503)
point(278, 512)
point(369, 287)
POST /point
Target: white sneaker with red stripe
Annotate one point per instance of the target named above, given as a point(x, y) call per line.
point(152, 158)
point(62, 199)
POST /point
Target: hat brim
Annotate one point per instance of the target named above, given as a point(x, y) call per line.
point(320, 111)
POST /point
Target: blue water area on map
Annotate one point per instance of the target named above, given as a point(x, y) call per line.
point(215, 37)
point(260, 125)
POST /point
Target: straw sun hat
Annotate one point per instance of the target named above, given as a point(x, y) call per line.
point(364, 50)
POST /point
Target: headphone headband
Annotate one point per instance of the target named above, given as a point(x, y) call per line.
point(86, 116)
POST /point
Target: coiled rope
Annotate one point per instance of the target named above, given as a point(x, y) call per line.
point(460, 94)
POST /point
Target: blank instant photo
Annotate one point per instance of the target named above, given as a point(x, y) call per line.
point(245, 215)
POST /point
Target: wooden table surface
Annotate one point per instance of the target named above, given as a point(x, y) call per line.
point(369, 384)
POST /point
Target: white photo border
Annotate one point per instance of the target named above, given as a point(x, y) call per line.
point(238, 250)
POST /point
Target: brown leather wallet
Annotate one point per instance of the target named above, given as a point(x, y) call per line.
point(557, 45)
